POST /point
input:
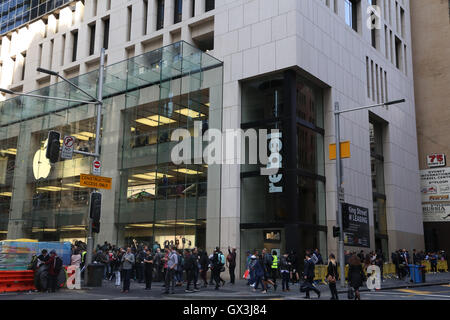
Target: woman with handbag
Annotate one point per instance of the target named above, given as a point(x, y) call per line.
point(332, 276)
point(356, 277)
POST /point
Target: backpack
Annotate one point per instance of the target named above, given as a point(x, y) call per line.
point(221, 258)
point(33, 264)
point(58, 265)
point(314, 259)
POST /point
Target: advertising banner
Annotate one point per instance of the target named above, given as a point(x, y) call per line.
point(436, 212)
point(16, 255)
point(356, 226)
point(435, 185)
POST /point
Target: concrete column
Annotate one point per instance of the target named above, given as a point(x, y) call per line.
point(151, 16)
point(112, 131)
point(199, 7)
point(187, 5)
point(169, 11)
point(137, 20)
point(17, 219)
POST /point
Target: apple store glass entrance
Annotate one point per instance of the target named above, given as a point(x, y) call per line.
point(146, 98)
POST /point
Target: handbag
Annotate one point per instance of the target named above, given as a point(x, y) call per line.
point(350, 294)
point(247, 274)
point(331, 279)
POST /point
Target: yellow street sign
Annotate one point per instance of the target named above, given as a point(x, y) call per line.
point(345, 150)
point(91, 181)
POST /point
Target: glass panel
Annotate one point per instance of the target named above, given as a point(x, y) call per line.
point(377, 170)
point(311, 201)
point(310, 151)
point(146, 99)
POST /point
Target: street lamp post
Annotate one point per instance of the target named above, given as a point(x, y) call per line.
point(339, 189)
point(99, 104)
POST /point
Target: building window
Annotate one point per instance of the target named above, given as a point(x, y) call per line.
point(106, 33)
point(351, 13)
point(91, 39)
point(160, 15)
point(145, 13)
point(209, 5)
point(378, 186)
point(178, 12)
point(74, 45)
point(129, 18)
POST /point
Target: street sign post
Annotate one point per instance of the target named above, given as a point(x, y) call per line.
point(67, 147)
point(96, 167)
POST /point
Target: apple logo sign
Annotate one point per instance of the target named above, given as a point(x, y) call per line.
point(41, 165)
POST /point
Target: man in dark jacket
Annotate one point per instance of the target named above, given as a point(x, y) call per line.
point(308, 275)
point(148, 268)
point(231, 262)
point(55, 265)
point(190, 263)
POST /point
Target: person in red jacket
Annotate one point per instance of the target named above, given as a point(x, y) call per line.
point(55, 265)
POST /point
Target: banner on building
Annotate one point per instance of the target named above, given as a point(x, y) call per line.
point(356, 226)
point(435, 185)
point(439, 212)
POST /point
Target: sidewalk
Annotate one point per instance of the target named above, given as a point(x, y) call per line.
point(241, 291)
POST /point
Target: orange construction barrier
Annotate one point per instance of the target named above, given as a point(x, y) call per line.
point(12, 281)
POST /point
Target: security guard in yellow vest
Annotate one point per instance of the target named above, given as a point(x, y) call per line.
point(274, 267)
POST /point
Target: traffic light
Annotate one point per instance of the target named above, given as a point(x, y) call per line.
point(345, 216)
point(336, 232)
point(53, 146)
point(96, 226)
point(96, 206)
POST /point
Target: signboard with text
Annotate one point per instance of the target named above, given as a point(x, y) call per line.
point(356, 226)
point(435, 185)
point(91, 181)
point(436, 212)
point(67, 147)
point(436, 160)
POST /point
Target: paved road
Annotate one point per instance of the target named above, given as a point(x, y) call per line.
point(109, 292)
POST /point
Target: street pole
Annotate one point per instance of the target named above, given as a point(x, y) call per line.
point(338, 192)
point(99, 105)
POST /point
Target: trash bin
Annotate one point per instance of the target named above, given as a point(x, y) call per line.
point(95, 274)
point(416, 273)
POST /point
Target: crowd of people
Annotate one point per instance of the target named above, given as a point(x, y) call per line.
point(177, 267)
point(169, 265)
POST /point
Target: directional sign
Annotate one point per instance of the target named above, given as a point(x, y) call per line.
point(96, 167)
point(91, 181)
point(345, 150)
point(67, 147)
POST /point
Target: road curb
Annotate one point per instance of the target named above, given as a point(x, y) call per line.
point(427, 284)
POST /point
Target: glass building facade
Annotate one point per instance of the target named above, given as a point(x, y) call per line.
point(146, 98)
point(294, 217)
point(15, 13)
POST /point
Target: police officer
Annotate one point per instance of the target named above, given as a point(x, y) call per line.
point(274, 269)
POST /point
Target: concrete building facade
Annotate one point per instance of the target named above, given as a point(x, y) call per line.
point(285, 65)
point(431, 48)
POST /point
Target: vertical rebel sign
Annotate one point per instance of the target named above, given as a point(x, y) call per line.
point(356, 225)
point(275, 162)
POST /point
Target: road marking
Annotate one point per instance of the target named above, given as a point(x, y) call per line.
point(427, 295)
point(414, 291)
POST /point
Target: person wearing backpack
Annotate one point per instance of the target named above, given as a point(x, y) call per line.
point(55, 265)
point(222, 263)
